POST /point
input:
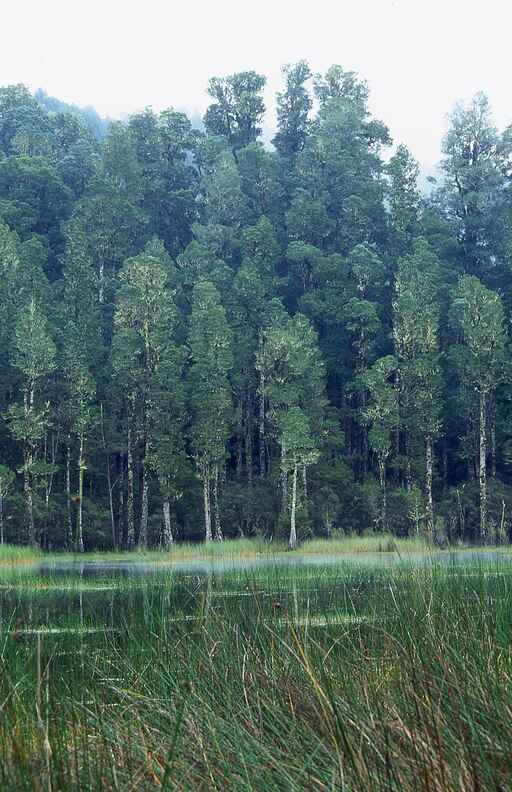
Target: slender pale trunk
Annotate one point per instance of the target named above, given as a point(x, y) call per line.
point(29, 497)
point(109, 482)
point(382, 479)
point(408, 469)
point(248, 441)
point(101, 279)
point(206, 499)
point(428, 486)
point(1, 518)
point(305, 489)
point(81, 472)
point(69, 539)
point(293, 530)
point(493, 436)
point(143, 531)
point(397, 427)
point(483, 468)
point(130, 516)
point(261, 427)
point(218, 528)
point(284, 483)
point(121, 522)
point(166, 509)
point(239, 453)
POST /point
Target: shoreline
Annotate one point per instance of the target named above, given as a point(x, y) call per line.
point(14, 555)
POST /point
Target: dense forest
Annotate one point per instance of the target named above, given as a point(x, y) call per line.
point(203, 336)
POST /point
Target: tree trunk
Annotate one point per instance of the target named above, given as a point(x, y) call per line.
point(239, 450)
point(168, 537)
point(292, 544)
point(81, 471)
point(483, 469)
point(206, 499)
point(218, 528)
point(428, 486)
point(109, 482)
point(121, 522)
point(1, 519)
point(493, 436)
point(144, 513)
point(69, 540)
point(29, 497)
point(382, 479)
point(101, 280)
point(261, 427)
point(130, 517)
point(248, 439)
point(305, 490)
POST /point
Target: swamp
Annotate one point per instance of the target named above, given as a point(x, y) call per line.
point(374, 671)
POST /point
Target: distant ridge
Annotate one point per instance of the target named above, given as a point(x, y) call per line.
point(91, 118)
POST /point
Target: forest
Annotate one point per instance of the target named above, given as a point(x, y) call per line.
point(203, 335)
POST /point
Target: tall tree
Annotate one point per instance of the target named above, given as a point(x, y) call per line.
point(81, 356)
point(478, 315)
point(472, 196)
point(210, 342)
point(295, 389)
point(238, 108)
point(293, 107)
point(145, 319)
point(415, 333)
point(34, 357)
point(380, 411)
point(404, 199)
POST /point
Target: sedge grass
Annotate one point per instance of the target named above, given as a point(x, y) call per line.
point(18, 554)
point(272, 679)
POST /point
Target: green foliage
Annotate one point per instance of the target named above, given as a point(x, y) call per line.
point(193, 321)
point(210, 343)
point(237, 109)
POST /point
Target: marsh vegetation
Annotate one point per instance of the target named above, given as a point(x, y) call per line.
point(281, 677)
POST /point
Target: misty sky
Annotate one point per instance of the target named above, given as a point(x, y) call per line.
point(419, 56)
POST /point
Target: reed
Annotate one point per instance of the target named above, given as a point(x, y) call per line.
point(278, 678)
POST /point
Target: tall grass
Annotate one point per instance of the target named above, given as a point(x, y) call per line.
point(367, 543)
point(277, 679)
point(253, 547)
point(16, 554)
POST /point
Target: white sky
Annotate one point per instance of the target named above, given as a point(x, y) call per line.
point(419, 56)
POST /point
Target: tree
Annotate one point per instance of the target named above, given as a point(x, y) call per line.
point(481, 356)
point(404, 199)
point(34, 358)
point(238, 108)
point(166, 421)
point(295, 390)
point(210, 343)
point(293, 107)
point(145, 319)
point(7, 478)
point(81, 353)
point(381, 414)
point(415, 333)
point(475, 166)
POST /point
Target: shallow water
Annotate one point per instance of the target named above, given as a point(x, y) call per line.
point(294, 560)
point(62, 597)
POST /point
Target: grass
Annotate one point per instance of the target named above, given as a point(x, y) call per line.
point(367, 543)
point(16, 554)
point(231, 549)
point(279, 678)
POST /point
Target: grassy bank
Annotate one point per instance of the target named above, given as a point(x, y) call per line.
point(16, 554)
point(233, 548)
point(320, 678)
